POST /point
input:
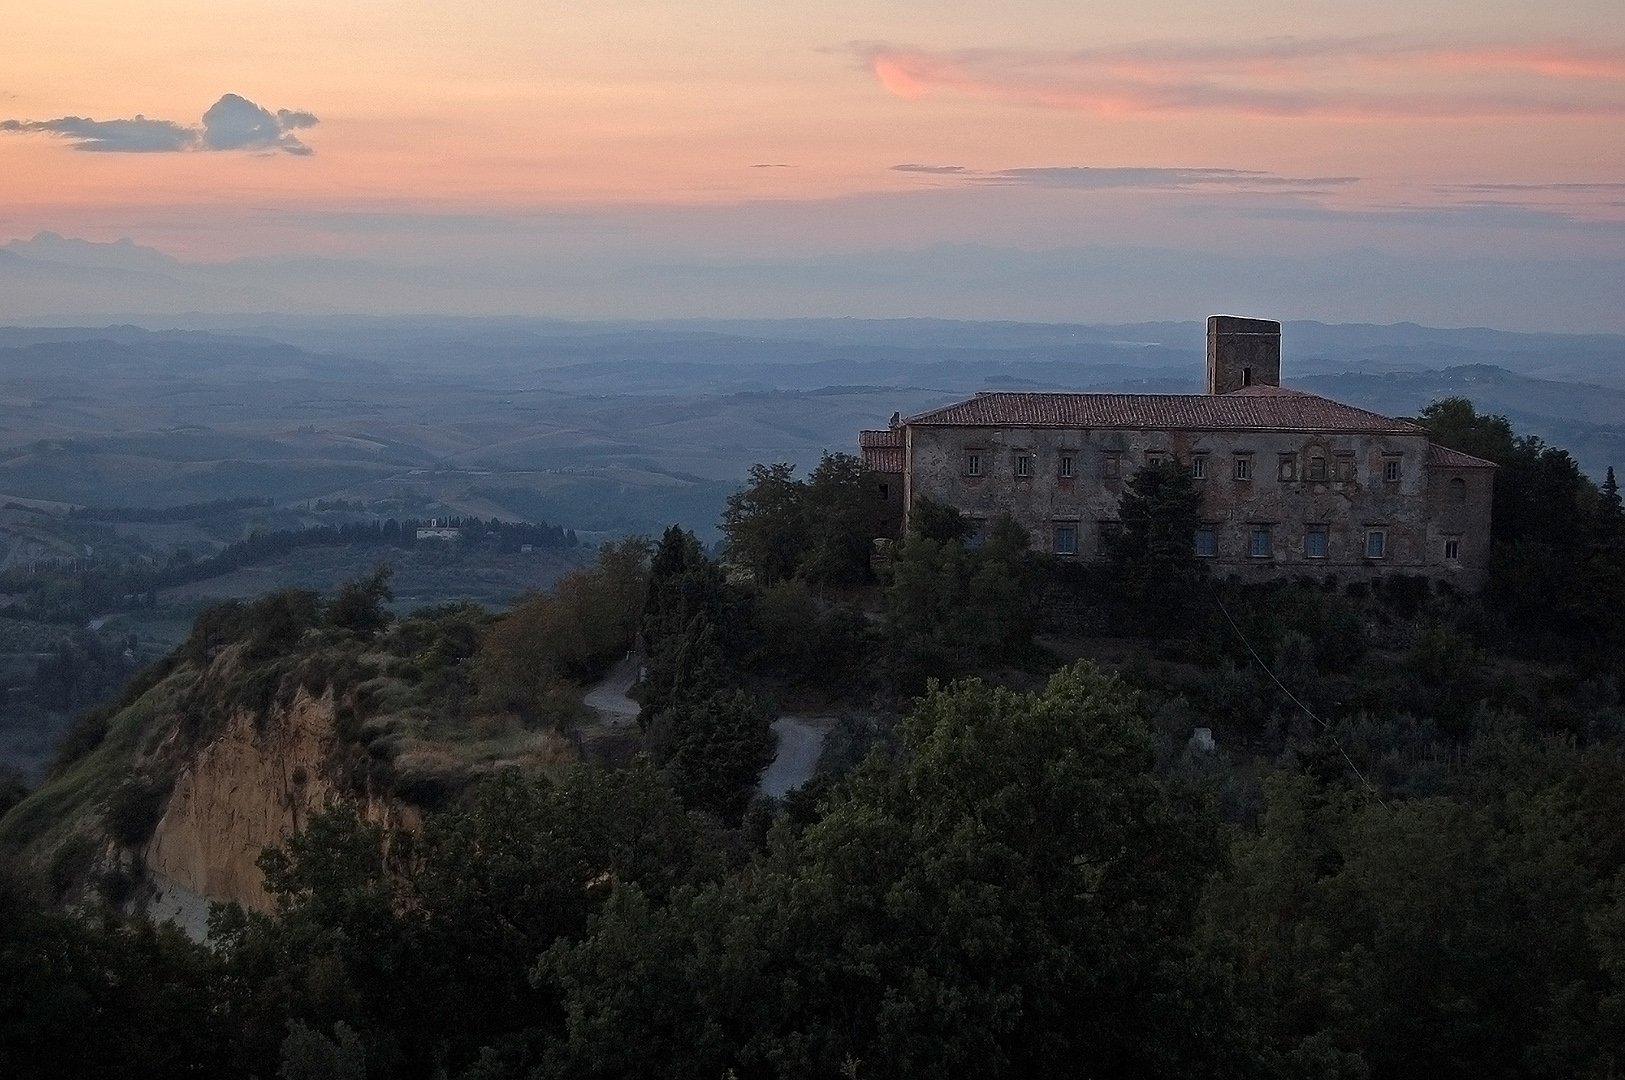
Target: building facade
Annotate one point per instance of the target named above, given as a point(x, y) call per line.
point(1292, 483)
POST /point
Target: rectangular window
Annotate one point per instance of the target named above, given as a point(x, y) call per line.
point(1316, 542)
point(1024, 464)
point(1376, 543)
point(978, 532)
point(973, 463)
point(1066, 466)
point(1106, 539)
point(1287, 469)
point(885, 492)
point(1317, 469)
point(1199, 467)
point(1207, 542)
point(1111, 466)
point(1244, 468)
point(1345, 469)
point(1452, 550)
point(1153, 458)
point(1066, 539)
point(1390, 470)
point(1261, 542)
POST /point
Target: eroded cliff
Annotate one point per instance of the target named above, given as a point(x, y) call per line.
point(254, 785)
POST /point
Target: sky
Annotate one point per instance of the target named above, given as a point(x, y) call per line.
point(1470, 154)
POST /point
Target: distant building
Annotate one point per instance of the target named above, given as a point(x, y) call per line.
point(1292, 483)
point(438, 532)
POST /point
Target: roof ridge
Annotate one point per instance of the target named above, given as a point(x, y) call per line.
point(1274, 408)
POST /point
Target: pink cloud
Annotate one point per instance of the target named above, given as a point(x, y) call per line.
point(1282, 77)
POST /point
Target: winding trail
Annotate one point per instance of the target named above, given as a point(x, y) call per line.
point(801, 741)
point(800, 738)
point(609, 698)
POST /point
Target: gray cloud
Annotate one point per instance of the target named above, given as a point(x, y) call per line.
point(1093, 177)
point(1559, 187)
point(235, 123)
point(232, 123)
point(137, 136)
point(1085, 176)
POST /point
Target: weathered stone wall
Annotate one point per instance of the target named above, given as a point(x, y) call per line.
point(1458, 508)
point(1242, 352)
point(888, 495)
point(1353, 499)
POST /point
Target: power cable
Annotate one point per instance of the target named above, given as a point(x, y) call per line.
point(1330, 733)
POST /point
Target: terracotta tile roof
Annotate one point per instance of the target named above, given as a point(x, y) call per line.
point(1442, 457)
point(882, 450)
point(1254, 408)
point(888, 459)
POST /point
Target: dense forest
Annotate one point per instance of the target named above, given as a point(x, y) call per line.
point(1123, 820)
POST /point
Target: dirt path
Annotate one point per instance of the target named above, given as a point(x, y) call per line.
point(800, 738)
point(801, 741)
point(608, 699)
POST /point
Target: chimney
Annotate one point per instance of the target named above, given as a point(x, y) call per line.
point(1242, 352)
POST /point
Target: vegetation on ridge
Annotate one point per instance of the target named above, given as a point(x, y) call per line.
point(1277, 831)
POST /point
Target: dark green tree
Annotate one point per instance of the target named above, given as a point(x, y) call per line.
point(1558, 567)
point(952, 608)
point(96, 994)
point(819, 529)
point(713, 749)
point(1154, 556)
point(1016, 899)
point(359, 605)
point(765, 523)
point(842, 521)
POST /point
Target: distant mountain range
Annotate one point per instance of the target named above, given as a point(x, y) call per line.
point(607, 427)
point(58, 279)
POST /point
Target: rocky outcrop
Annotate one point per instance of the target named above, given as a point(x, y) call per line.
point(254, 785)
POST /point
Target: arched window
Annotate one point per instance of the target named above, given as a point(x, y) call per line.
point(1458, 489)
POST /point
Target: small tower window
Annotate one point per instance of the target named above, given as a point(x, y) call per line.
point(1246, 376)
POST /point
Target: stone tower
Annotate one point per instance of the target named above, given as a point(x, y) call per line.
point(1242, 352)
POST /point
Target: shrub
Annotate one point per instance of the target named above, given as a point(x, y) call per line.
point(134, 808)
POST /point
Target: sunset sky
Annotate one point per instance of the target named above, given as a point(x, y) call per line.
point(494, 129)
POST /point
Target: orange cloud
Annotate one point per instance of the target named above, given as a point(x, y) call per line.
point(1328, 78)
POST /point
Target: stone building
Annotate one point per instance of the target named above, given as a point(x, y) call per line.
point(1292, 483)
